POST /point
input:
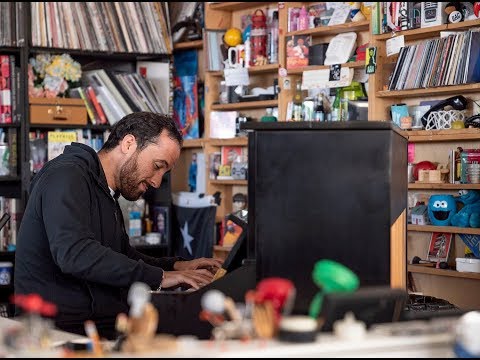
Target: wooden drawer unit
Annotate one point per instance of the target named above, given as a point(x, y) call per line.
point(61, 111)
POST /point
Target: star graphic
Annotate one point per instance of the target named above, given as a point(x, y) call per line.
point(187, 238)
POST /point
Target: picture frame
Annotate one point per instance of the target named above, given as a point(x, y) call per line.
point(161, 218)
point(439, 247)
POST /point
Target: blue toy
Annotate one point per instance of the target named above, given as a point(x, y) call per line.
point(469, 214)
point(468, 196)
point(441, 209)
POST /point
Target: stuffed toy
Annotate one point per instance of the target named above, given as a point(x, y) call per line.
point(441, 209)
point(469, 214)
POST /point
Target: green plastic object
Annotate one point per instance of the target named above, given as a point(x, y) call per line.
point(331, 276)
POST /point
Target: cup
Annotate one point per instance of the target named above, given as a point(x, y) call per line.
point(236, 56)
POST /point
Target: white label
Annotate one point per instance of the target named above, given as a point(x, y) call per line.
point(395, 44)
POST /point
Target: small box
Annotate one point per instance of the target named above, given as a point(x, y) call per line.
point(468, 265)
point(58, 111)
point(420, 215)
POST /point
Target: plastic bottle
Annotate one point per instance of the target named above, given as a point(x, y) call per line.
point(319, 113)
point(135, 219)
point(268, 117)
point(297, 103)
point(274, 39)
point(336, 110)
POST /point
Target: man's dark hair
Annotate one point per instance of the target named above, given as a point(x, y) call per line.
point(145, 126)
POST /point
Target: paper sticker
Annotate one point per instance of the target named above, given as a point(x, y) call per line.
point(394, 44)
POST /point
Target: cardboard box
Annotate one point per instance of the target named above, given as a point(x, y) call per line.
point(58, 111)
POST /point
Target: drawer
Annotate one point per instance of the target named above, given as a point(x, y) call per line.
point(59, 111)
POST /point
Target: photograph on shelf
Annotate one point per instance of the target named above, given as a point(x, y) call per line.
point(439, 247)
point(297, 50)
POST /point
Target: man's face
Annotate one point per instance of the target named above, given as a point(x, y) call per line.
point(146, 167)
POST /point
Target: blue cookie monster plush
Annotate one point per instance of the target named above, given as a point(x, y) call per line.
point(469, 214)
point(441, 209)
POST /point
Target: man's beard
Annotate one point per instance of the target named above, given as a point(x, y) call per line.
point(129, 179)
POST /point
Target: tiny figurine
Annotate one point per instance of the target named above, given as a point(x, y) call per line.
point(215, 305)
point(140, 327)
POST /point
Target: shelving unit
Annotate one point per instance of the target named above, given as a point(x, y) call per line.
point(224, 16)
point(461, 289)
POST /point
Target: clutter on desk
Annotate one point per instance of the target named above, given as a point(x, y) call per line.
point(33, 333)
point(139, 328)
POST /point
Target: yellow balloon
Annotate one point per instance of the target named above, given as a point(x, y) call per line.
point(233, 37)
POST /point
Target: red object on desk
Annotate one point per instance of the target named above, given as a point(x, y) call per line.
point(279, 291)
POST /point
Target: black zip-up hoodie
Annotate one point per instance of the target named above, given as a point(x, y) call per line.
point(72, 248)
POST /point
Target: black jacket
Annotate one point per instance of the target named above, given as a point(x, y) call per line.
point(72, 248)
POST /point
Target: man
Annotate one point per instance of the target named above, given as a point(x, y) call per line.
point(72, 247)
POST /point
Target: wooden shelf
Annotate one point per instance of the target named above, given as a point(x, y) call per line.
point(246, 105)
point(353, 64)
point(442, 272)
point(443, 135)
point(433, 31)
point(334, 29)
point(10, 125)
point(231, 6)
point(193, 143)
point(66, 126)
point(196, 44)
point(443, 229)
point(109, 55)
point(441, 90)
point(9, 178)
point(232, 182)
point(252, 70)
point(236, 141)
point(427, 186)
point(9, 49)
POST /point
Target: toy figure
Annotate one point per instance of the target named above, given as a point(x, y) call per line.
point(214, 306)
point(441, 209)
point(469, 214)
point(140, 327)
point(331, 276)
point(272, 299)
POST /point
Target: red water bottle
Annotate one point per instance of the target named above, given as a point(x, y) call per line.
point(258, 38)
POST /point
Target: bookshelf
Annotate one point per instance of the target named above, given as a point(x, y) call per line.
point(224, 16)
point(93, 41)
point(458, 288)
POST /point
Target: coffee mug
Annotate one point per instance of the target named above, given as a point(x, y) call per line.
point(237, 54)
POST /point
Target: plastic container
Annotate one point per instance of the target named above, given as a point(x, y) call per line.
point(468, 265)
point(6, 271)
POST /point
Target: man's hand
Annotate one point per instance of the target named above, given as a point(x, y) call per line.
point(211, 264)
point(195, 278)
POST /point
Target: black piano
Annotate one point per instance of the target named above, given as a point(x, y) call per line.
point(179, 311)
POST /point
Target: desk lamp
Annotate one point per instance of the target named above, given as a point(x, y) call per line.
point(331, 276)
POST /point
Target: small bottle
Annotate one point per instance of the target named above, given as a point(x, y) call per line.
point(274, 39)
point(135, 219)
point(336, 109)
point(319, 113)
point(147, 221)
point(298, 103)
point(268, 117)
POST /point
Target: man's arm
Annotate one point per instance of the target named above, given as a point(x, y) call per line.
point(65, 209)
point(165, 262)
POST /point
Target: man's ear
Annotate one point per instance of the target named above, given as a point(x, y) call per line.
point(128, 145)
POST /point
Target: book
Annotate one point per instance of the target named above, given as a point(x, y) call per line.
point(57, 140)
point(297, 50)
